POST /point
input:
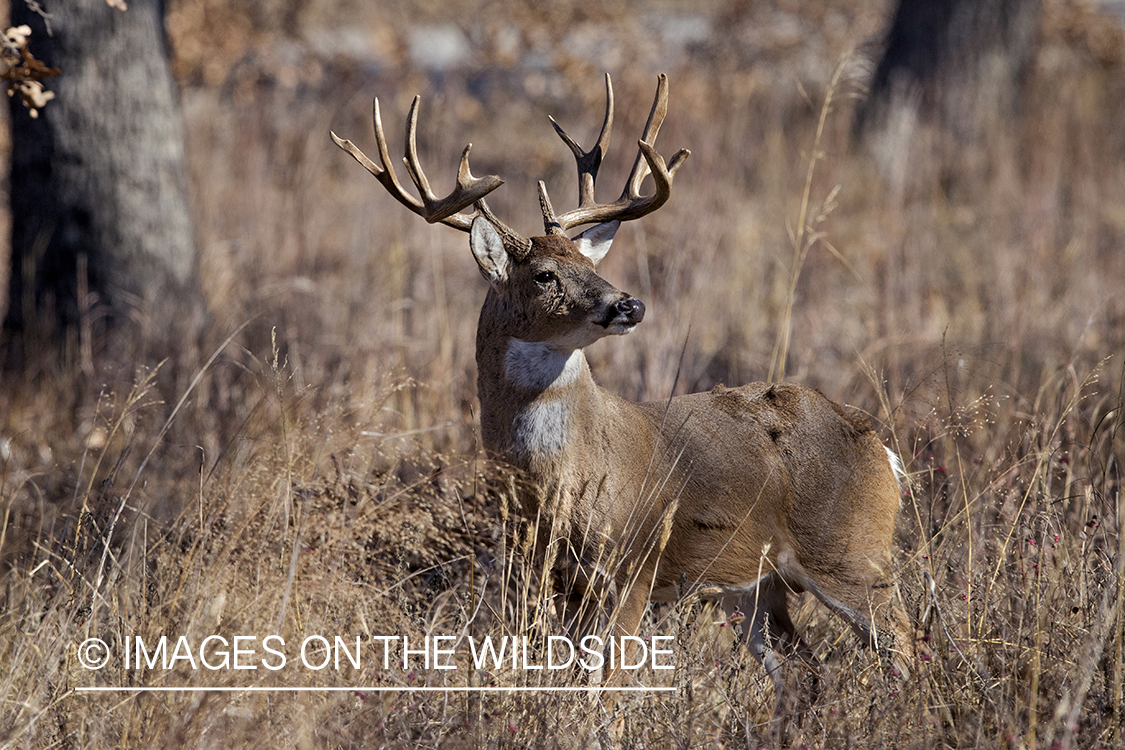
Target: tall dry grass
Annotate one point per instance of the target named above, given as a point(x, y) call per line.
point(319, 472)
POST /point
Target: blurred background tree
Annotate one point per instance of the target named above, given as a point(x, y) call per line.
point(949, 57)
point(101, 226)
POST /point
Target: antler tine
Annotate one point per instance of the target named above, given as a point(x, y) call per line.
point(413, 166)
point(648, 161)
point(468, 191)
point(588, 161)
point(641, 165)
point(632, 204)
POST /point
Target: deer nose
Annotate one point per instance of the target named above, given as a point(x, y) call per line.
point(632, 309)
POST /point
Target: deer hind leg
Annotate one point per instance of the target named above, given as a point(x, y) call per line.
point(772, 638)
point(868, 599)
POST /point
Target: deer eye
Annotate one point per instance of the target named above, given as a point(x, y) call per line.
point(545, 277)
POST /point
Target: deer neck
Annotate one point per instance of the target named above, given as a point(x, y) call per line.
point(531, 395)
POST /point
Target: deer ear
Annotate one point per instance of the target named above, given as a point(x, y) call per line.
point(488, 249)
point(594, 242)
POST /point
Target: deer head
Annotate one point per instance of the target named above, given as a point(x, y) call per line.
point(547, 287)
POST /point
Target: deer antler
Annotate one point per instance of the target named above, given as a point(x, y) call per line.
point(469, 190)
point(631, 204)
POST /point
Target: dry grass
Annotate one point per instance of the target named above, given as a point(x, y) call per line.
point(322, 473)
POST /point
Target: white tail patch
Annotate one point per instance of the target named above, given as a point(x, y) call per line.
point(896, 467)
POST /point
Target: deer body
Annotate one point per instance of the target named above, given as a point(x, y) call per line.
point(762, 484)
point(744, 493)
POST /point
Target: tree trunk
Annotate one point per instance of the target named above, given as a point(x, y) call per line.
point(101, 228)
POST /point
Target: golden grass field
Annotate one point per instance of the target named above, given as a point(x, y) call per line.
point(309, 464)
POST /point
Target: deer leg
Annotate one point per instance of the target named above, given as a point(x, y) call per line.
point(580, 610)
point(868, 600)
point(584, 595)
point(626, 620)
point(583, 600)
point(771, 636)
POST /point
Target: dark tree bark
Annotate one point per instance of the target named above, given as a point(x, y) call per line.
point(950, 58)
point(101, 228)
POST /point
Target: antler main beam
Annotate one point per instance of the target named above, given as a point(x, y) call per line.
point(469, 189)
point(631, 204)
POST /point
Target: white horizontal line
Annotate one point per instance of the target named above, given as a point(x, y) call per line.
point(368, 689)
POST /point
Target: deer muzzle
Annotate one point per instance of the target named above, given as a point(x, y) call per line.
point(625, 314)
point(631, 309)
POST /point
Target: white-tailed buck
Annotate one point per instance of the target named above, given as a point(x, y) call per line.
point(745, 493)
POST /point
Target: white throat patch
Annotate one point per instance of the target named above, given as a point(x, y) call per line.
point(536, 365)
point(542, 427)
